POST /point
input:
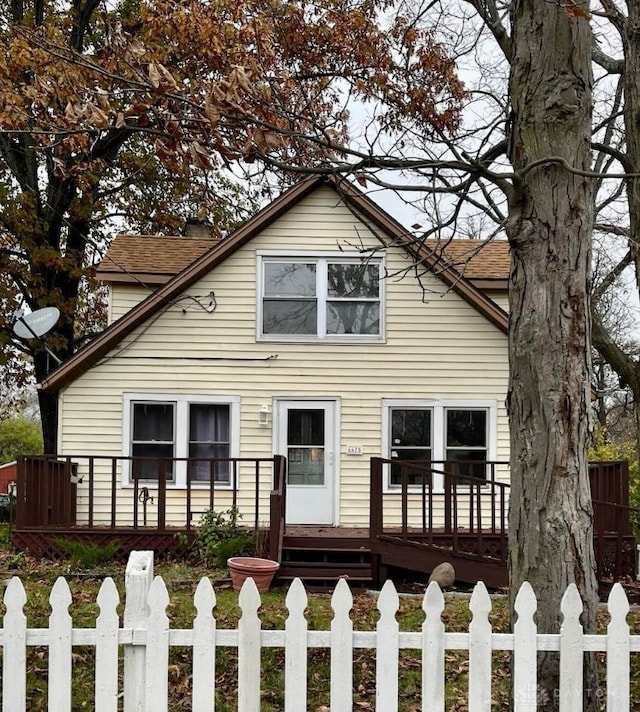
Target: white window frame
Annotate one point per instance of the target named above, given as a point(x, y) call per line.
point(181, 433)
point(319, 258)
point(438, 408)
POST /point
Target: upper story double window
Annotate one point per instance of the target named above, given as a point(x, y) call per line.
point(320, 298)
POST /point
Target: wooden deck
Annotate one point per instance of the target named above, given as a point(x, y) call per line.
point(472, 535)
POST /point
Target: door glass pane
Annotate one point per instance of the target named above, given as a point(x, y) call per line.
point(305, 447)
point(305, 427)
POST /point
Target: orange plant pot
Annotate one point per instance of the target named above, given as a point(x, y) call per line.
point(261, 571)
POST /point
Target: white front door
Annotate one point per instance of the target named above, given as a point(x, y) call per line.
point(306, 436)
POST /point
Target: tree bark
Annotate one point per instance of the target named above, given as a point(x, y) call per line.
point(549, 229)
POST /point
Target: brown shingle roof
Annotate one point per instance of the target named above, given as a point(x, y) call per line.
point(475, 259)
point(152, 259)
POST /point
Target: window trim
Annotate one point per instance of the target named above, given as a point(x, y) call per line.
point(181, 423)
point(439, 447)
point(322, 297)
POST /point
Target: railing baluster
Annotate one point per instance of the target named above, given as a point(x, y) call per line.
point(257, 498)
point(404, 471)
point(114, 472)
point(44, 503)
point(430, 506)
point(212, 483)
point(493, 498)
point(136, 501)
point(162, 495)
point(234, 491)
point(423, 508)
point(91, 482)
point(188, 495)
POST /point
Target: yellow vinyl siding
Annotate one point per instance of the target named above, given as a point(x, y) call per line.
point(501, 298)
point(436, 346)
point(123, 297)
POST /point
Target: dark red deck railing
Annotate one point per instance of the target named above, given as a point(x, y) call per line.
point(458, 506)
point(54, 491)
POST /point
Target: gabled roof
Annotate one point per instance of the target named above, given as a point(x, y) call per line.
point(389, 229)
point(150, 259)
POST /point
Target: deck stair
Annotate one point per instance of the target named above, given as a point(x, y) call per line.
point(321, 561)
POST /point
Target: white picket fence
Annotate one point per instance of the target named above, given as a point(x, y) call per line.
point(146, 638)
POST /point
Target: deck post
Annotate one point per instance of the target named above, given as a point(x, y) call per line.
point(138, 579)
point(376, 516)
point(375, 498)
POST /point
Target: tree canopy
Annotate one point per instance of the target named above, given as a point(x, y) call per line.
point(19, 436)
point(112, 111)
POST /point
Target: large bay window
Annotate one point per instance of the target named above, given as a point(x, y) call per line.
point(320, 297)
point(452, 436)
point(181, 435)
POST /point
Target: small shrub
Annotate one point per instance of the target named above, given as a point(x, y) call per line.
point(88, 555)
point(16, 560)
point(218, 537)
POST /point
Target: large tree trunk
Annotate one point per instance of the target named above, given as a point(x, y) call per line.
point(631, 47)
point(550, 228)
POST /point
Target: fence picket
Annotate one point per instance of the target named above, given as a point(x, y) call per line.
point(60, 632)
point(138, 578)
point(295, 666)
point(618, 648)
point(571, 651)
point(204, 648)
point(107, 623)
point(152, 635)
point(249, 649)
point(341, 695)
point(14, 653)
point(480, 650)
point(433, 649)
point(525, 642)
point(387, 646)
point(157, 664)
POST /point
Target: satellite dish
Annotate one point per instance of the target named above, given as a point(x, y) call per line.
point(36, 324)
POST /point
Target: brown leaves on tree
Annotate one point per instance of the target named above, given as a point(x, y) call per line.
point(242, 79)
point(161, 79)
point(100, 120)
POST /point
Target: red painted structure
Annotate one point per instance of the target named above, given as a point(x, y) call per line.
point(8, 475)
